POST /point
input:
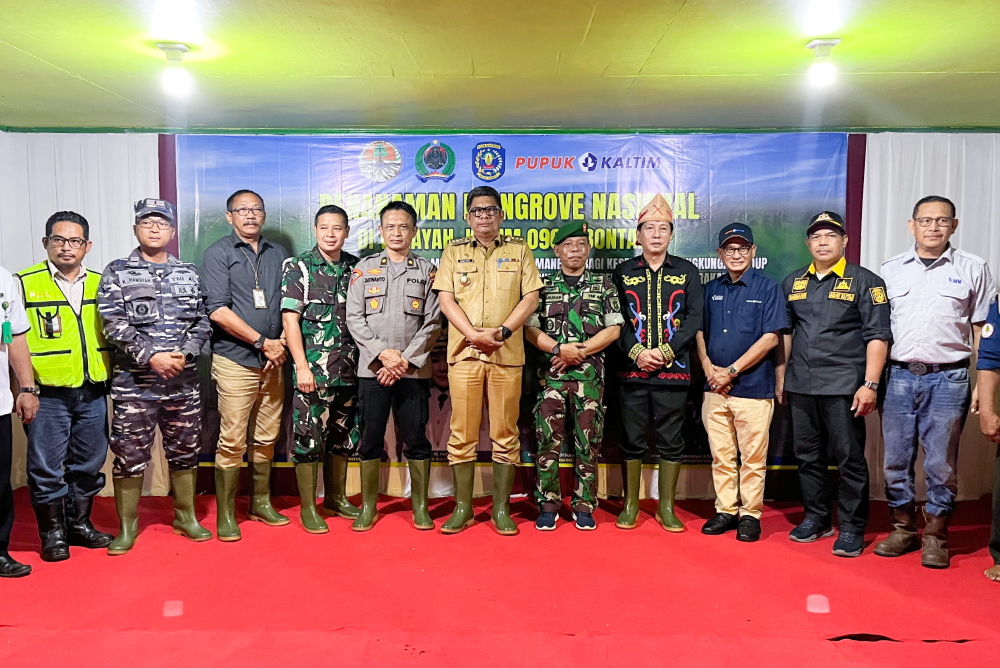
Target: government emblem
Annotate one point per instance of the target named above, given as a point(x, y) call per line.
point(415, 304)
point(380, 161)
point(878, 296)
point(488, 161)
point(435, 161)
point(373, 304)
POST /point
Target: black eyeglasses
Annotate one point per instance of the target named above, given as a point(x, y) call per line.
point(484, 211)
point(244, 211)
point(941, 222)
point(149, 224)
point(732, 250)
point(75, 243)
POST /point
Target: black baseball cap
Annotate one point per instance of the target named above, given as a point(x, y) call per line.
point(735, 230)
point(826, 219)
point(155, 207)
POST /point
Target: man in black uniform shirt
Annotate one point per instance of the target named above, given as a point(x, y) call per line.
point(840, 335)
point(662, 306)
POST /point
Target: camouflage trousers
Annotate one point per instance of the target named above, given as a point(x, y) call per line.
point(325, 421)
point(582, 401)
point(133, 425)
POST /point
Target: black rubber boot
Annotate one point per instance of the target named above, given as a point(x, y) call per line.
point(52, 530)
point(79, 530)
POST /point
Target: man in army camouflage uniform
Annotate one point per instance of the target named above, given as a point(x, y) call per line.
point(154, 314)
point(324, 407)
point(578, 316)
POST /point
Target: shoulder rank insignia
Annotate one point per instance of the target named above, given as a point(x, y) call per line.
point(878, 295)
point(514, 240)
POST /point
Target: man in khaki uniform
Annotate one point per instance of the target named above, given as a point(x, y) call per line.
point(488, 286)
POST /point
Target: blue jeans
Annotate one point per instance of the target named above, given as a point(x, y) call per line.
point(67, 444)
point(933, 409)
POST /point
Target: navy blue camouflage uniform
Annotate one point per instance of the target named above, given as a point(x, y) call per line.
point(148, 309)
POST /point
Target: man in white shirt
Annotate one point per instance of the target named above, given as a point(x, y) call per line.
point(13, 345)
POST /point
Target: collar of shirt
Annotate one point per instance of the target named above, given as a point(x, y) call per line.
point(560, 277)
point(135, 259)
point(837, 269)
point(321, 261)
point(745, 279)
point(384, 261)
point(56, 274)
point(948, 254)
point(496, 243)
point(644, 263)
point(262, 242)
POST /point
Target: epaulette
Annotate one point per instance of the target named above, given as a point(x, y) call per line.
point(462, 241)
point(510, 239)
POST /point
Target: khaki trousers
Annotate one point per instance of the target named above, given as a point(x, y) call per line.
point(250, 406)
point(469, 380)
point(734, 423)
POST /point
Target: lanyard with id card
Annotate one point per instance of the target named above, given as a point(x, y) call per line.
point(259, 301)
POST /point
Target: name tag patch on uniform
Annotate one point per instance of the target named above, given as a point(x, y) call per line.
point(418, 281)
point(184, 289)
point(842, 296)
point(796, 296)
point(878, 295)
point(843, 285)
point(126, 278)
point(717, 298)
point(465, 259)
point(800, 284)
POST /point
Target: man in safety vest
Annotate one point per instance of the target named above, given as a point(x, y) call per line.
point(68, 439)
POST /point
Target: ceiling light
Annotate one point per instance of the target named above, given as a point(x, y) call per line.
point(822, 17)
point(176, 20)
point(822, 72)
point(177, 81)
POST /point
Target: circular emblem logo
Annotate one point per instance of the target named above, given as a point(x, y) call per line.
point(488, 161)
point(374, 304)
point(987, 330)
point(435, 161)
point(465, 280)
point(415, 303)
point(588, 162)
point(141, 309)
point(380, 161)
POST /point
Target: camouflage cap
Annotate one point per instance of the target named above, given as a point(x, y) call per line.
point(155, 207)
point(578, 228)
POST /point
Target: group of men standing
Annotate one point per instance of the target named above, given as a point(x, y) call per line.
point(360, 334)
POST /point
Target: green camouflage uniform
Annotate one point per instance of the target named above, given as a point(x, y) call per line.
point(572, 314)
point(326, 419)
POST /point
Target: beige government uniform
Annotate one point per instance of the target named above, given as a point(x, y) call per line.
point(488, 282)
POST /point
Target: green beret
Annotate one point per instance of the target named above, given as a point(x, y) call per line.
point(578, 228)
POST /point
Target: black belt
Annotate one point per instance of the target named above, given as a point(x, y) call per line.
point(922, 369)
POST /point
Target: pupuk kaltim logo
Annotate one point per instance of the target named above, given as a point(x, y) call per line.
point(435, 161)
point(380, 161)
point(488, 161)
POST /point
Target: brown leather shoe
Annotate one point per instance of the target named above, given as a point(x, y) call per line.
point(934, 552)
point(903, 538)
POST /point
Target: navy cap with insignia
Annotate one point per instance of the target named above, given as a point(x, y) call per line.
point(735, 230)
point(826, 219)
point(155, 207)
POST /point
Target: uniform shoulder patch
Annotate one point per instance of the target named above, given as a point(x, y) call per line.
point(461, 242)
point(355, 275)
point(987, 330)
point(878, 296)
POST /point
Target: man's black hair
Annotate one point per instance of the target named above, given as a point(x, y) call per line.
point(398, 205)
point(934, 198)
point(67, 217)
point(229, 202)
point(482, 191)
point(331, 208)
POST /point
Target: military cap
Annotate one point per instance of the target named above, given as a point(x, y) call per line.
point(658, 210)
point(155, 207)
point(578, 228)
point(826, 219)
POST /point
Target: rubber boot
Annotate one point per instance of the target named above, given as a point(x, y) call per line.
point(420, 471)
point(669, 472)
point(934, 549)
point(226, 482)
point(128, 491)
point(261, 509)
point(903, 538)
point(335, 503)
point(503, 482)
point(305, 477)
point(185, 523)
point(370, 470)
point(632, 468)
point(463, 516)
point(79, 530)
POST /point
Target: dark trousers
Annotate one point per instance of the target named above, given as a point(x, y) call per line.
point(995, 529)
point(133, 427)
point(407, 398)
point(6, 493)
point(660, 406)
point(813, 419)
point(67, 444)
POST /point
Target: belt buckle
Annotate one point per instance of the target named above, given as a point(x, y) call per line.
point(917, 368)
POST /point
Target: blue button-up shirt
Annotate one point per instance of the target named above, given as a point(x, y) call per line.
point(736, 316)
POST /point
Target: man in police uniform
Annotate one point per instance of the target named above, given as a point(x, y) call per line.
point(325, 403)
point(68, 439)
point(488, 286)
point(394, 317)
point(940, 297)
point(839, 315)
point(154, 314)
point(661, 299)
point(988, 365)
point(578, 316)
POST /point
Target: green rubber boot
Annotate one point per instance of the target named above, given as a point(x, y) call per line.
point(305, 477)
point(127, 494)
point(261, 509)
point(335, 503)
point(226, 482)
point(503, 482)
point(632, 468)
point(369, 495)
point(185, 523)
point(463, 516)
point(669, 471)
point(420, 472)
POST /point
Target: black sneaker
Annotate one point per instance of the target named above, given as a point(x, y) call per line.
point(749, 529)
point(849, 544)
point(720, 524)
point(584, 521)
point(546, 522)
point(809, 531)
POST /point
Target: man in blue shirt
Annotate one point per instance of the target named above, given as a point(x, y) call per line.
point(989, 378)
point(744, 316)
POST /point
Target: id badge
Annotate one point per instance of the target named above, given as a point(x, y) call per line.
point(258, 299)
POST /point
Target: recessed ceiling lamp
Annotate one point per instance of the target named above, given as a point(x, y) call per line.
point(176, 80)
point(822, 72)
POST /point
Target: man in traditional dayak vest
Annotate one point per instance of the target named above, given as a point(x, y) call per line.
point(68, 439)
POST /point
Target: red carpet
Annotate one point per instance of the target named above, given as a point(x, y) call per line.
point(396, 596)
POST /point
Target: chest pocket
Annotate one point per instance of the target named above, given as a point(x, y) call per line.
point(466, 276)
point(748, 318)
point(897, 295)
point(414, 300)
point(954, 298)
point(508, 272)
point(374, 305)
point(322, 304)
point(185, 293)
point(140, 304)
point(555, 315)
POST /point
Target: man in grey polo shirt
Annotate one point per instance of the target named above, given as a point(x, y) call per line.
point(940, 296)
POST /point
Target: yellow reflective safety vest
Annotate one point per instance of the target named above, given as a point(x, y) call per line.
point(66, 349)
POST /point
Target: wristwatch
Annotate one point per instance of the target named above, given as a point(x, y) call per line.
point(555, 349)
point(506, 332)
point(732, 370)
point(872, 385)
point(259, 343)
point(30, 390)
